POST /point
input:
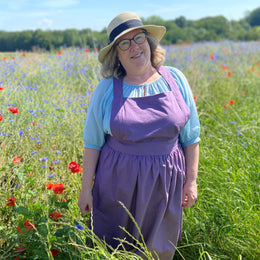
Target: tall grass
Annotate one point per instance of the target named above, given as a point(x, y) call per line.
point(52, 92)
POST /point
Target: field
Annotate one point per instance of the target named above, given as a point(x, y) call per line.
point(43, 103)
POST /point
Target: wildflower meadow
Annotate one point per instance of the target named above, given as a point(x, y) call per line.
point(44, 99)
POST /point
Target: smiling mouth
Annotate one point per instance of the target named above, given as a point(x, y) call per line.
point(136, 56)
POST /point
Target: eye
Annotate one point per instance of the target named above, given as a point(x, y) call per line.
point(140, 37)
point(124, 43)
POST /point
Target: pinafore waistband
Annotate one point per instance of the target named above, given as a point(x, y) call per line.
point(156, 147)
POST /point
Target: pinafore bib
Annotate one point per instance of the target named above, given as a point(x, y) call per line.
point(142, 165)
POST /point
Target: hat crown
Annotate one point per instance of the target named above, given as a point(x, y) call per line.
point(120, 19)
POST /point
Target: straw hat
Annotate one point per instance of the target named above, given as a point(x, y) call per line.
point(124, 23)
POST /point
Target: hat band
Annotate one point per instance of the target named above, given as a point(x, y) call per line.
point(124, 26)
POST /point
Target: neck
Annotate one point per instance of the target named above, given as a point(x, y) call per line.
point(142, 77)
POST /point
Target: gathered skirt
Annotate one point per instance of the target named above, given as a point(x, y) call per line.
point(148, 181)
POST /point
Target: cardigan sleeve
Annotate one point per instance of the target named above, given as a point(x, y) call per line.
point(191, 131)
point(94, 131)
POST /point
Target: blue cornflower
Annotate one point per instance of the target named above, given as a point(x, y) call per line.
point(79, 227)
point(44, 159)
point(245, 144)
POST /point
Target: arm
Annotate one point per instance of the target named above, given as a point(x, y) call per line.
point(90, 160)
point(189, 195)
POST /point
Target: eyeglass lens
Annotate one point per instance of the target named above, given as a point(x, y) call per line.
point(126, 43)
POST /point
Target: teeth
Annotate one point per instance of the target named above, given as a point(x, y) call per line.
point(137, 55)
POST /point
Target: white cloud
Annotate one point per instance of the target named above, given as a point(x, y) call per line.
point(46, 23)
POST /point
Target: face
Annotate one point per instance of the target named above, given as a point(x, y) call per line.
point(137, 57)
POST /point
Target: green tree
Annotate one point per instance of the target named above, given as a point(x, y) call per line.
point(181, 21)
point(218, 26)
point(154, 19)
point(254, 17)
point(24, 40)
point(71, 37)
point(42, 40)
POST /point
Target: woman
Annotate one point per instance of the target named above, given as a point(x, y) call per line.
point(141, 139)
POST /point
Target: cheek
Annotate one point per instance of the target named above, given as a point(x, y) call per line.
point(120, 56)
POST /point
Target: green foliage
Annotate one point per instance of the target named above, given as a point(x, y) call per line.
point(178, 31)
point(254, 17)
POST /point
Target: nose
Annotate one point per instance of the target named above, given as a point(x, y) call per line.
point(133, 44)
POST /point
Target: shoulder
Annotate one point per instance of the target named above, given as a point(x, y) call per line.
point(181, 81)
point(103, 85)
point(177, 74)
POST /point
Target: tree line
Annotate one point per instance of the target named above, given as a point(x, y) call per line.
point(179, 30)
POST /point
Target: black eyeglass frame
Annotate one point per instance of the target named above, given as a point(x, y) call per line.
point(132, 39)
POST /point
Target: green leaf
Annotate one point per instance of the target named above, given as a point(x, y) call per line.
point(24, 211)
point(42, 229)
point(2, 228)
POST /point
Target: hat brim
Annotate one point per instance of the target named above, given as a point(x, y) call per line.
point(154, 30)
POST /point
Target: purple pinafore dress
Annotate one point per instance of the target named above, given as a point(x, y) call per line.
point(142, 165)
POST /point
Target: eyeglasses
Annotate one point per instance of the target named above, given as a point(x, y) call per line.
point(125, 44)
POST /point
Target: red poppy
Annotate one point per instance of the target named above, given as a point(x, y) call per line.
point(34, 123)
point(231, 102)
point(17, 159)
point(54, 252)
point(87, 50)
point(1, 117)
point(49, 186)
point(59, 52)
point(14, 110)
point(11, 201)
point(55, 215)
point(225, 106)
point(95, 49)
point(1, 88)
point(13, 58)
point(57, 188)
point(24, 54)
point(243, 92)
point(226, 51)
point(74, 167)
point(4, 58)
point(224, 67)
point(195, 98)
point(26, 224)
point(229, 73)
point(51, 168)
point(20, 249)
point(212, 57)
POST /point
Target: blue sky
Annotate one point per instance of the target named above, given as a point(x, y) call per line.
point(17, 15)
